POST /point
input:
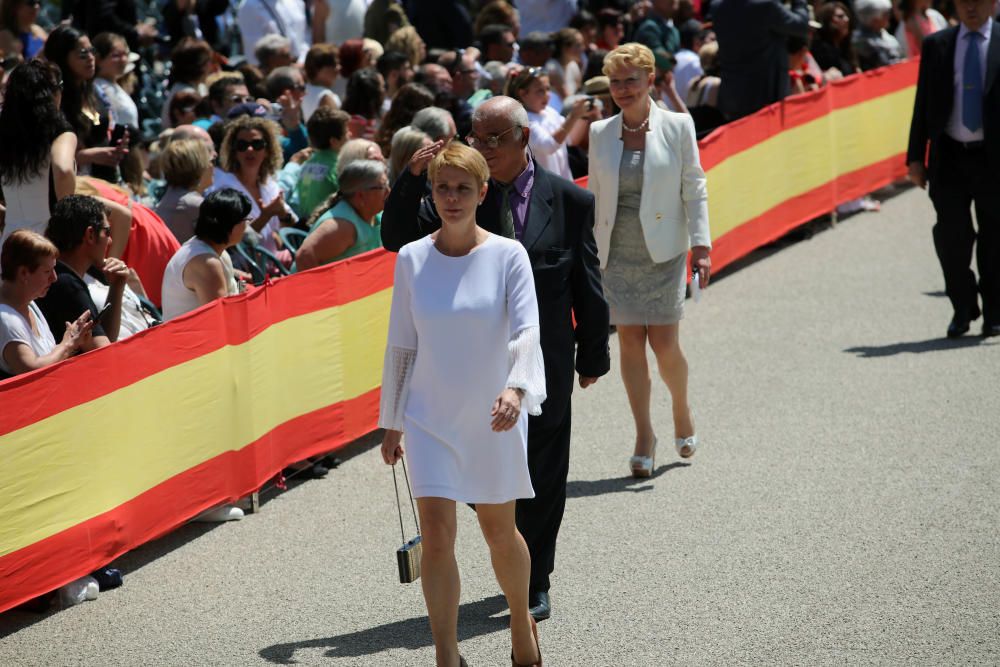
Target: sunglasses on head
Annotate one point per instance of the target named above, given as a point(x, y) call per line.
point(242, 145)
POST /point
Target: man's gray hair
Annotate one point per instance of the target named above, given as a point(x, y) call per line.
point(515, 111)
point(435, 121)
point(281, 79)
point(360, 175)
point(268, 45)
point(870, 9)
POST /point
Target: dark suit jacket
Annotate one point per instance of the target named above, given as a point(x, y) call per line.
point(936, 95)
point(559, 238)
point(753, 56)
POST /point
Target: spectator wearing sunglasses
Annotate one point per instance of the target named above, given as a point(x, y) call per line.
point(352, 221)
point(250, 158)
point(71, 51)
point(80, 230)
point(225, 91)
point(19, 34)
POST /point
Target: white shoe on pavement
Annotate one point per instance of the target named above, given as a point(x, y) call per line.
point(220, 514)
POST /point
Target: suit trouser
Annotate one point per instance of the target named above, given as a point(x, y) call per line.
point(539, 518)
point(962, 180)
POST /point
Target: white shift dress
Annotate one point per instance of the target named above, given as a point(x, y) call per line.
point(461, 330)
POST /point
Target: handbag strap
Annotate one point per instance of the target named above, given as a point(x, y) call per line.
point(399, 508)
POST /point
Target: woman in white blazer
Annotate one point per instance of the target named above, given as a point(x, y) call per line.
point(651, 208)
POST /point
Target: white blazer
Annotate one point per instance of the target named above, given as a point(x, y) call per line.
point(673, 209)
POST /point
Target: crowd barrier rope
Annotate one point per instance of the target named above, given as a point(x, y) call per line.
point(109, 450)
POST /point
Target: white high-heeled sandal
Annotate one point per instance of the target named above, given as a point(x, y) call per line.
point(686, 446)
point(642, 466)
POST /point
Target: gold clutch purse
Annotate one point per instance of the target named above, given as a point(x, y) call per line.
point(408, 555)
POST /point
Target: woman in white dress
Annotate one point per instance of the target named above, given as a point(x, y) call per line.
point(463, 336)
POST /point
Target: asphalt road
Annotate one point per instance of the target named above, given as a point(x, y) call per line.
point(843, 508)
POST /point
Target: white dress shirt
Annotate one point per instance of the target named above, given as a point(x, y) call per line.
point(687, 69)
point(955, 129)
point(547, 151)
point(257, 18)
point(346, 20)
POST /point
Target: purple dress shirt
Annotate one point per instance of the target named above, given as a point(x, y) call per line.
point(520, 197)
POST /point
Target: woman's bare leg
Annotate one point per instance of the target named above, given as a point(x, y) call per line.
point(439, 575)
point(512, 565)
point(635, 375)
point(673, 367)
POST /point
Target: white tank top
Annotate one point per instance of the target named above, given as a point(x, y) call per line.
point(178, 299)
point(27, 204)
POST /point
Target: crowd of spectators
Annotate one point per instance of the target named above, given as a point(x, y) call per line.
point(154, 156)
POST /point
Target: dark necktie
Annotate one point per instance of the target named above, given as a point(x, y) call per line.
point(972, 85)
point(506, 214)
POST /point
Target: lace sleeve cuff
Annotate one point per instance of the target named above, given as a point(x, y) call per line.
point(527, 369)
point(396, 373)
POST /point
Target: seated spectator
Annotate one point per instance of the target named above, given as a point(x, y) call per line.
point(273, 51)
point(396, 71)
point(872, 42)
point(407, 141)
point(801, 80)
point(549, 130)
point(688, 68)
point(135, 316)
point(183, 108)
point(79, 229)
point(832, 47)
point(436, 122)
point(225, 92)
point(703, 95)
point(351, 223)
point(112, 62)
point(411, 99)
point(496, 77)
point(383, 18)
point(566, 67)
point(37, 147)
point(363, 101)
point(497, 42)
point(352, 56)
point(318, 177)
point(250, 158)
point(202, 271)
point(192, 60)
point(918, 19)
point(26, 341)
point(407, 40)
point(610, 29)
point(20, 35)
point(187, 168)
point(358, 149)
point(284, 18)
point(322, 70)
point(498, 12)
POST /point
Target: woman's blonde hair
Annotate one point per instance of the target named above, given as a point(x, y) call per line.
point(406, 40)
point(271, 132)
point(184, 162)
point(405, 142)
point(461, 157)
point(630, 55)
point(24, 248)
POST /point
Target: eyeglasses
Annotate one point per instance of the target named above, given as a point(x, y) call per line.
point(102, 229)
point(86, 52)
point(492, 141)
point(242, 145)
point(299, 87)
point(380, 186)
point(241, 99)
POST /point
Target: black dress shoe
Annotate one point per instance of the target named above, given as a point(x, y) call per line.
point(958, 327)
point(991, 330)
point(539, 605)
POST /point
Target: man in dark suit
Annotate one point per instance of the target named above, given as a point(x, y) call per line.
point(753, 51)
point(554, 220)
point(957, 111)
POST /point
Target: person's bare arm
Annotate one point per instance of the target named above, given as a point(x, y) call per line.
point(116, 273)
point(63, 156)
point(205, 276)
point(120, 219)
point(332, 238)
point(20, 358)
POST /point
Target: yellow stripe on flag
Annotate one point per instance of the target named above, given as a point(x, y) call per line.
point(185, 415)
point(803, 158)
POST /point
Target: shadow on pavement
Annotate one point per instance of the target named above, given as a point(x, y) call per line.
point(915, 347)
point(938, 294)
point(600, 487)
point(474, 619)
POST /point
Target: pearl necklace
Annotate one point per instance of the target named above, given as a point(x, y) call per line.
point(642, 126)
